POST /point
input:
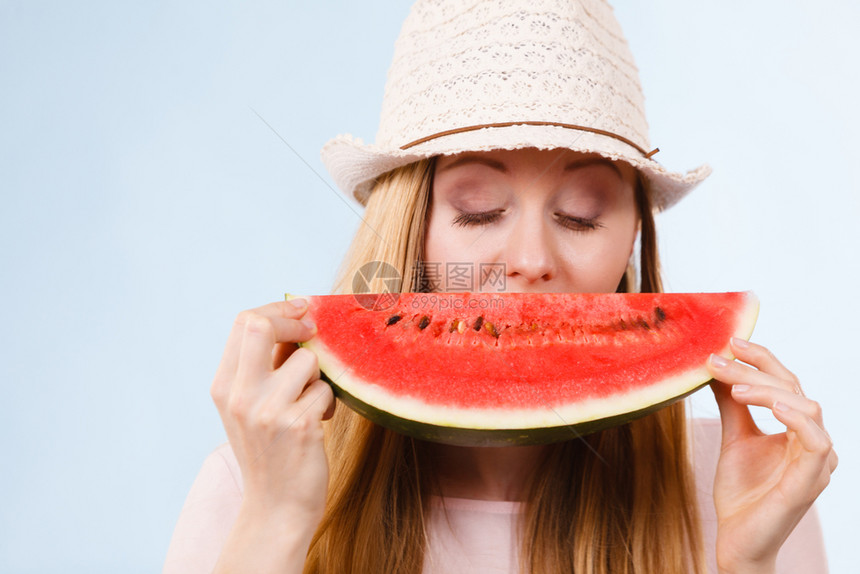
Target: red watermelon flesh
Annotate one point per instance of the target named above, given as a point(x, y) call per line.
point(520, 368)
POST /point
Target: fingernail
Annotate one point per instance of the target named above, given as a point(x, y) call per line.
point(718, 361)
point(781, 407)
point(740, 343)
point(740, 388)
point(309, 324)
point(299, 303)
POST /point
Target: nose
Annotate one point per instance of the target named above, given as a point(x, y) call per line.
point(528, 250)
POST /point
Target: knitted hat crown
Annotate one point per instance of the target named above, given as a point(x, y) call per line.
point(480, 75)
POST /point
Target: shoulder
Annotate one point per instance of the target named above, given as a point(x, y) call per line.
point(705, 439)
point(219, 474)
point(218, 485)
point(706, 429)
point(207, 516)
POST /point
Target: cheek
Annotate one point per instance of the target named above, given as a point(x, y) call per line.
point(597, 264)
point(444, 242)
point(440, 244)
point(433, 240)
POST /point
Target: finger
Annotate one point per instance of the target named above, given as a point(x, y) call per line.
point(735, 418)
point(284, 388)
point(309, 409)
point(832, 461)
point(226, 371)
point(766, 396)
point(284, 349)
point(261, 334)
point(230, 358)
point(329, 413)
point(317, 400)
point(764, 360)
point(816, 444)
point(734, 373)
point(294, 376)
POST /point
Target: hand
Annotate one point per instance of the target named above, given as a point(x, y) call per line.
point(764, 483)
point(272, 404)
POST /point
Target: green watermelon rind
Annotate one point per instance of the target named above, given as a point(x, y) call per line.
point(464, 436)
point(502, 427)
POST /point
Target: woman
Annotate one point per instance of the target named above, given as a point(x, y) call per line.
point(511, 134)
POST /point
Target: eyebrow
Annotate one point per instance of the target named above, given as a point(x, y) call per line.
point(499, 166)
point(586, 161)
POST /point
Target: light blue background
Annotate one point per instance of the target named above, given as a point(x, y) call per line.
point(144, 204)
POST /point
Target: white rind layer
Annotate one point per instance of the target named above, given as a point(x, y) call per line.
point(544, 416)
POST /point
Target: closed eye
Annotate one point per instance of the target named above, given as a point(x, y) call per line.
point(483, 218)
point(575, 223)
point(571, 222)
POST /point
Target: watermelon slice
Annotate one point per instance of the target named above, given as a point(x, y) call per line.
point(490, 369)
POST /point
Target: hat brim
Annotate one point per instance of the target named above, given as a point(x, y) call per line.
point(354, 165)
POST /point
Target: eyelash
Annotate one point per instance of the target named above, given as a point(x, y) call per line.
point(483, 218)
point(579, 223)
point(571, 222)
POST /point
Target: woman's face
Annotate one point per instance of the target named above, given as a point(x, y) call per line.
point(547, 220)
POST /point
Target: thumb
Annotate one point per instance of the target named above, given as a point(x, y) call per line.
point(735, 417)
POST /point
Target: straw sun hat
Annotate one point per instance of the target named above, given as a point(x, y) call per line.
point(478, 75)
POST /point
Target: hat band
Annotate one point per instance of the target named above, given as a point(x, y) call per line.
point(647, 154)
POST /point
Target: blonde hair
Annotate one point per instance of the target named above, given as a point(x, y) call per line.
point(621, 500)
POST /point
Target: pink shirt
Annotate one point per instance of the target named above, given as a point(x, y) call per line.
point(478, 536)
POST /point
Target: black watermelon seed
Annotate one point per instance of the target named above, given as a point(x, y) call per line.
point(644, 324)
point(392, 320)
point(478, 322)
point(425, 320)
point(661, 314)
